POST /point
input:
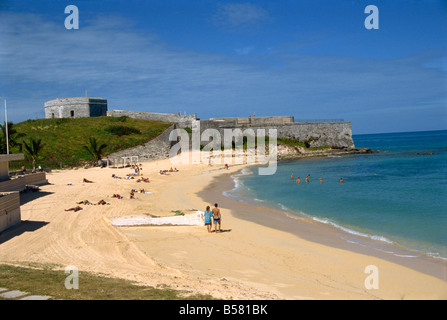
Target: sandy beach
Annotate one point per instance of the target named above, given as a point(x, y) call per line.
point(257, 256)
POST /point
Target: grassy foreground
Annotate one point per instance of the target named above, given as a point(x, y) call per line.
point(46, 280)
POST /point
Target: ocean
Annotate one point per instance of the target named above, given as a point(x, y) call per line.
point(396, 196)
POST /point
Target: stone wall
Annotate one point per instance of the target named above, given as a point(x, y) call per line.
point(182, 121)
point(157, 148)
point(337, 134)
point(256, 121)
point(319, 134)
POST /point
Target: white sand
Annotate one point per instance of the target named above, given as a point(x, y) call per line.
point(250, 262)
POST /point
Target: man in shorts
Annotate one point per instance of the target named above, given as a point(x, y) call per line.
point(217, 218)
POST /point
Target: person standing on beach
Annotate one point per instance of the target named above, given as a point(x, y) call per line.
point(207, 215)
point(217, 218)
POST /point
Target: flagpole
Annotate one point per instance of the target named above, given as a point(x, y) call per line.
point(6, 123)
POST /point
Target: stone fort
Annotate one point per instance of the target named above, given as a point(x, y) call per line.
point(335, 133)
point(76, 108)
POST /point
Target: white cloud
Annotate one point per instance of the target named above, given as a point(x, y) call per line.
point(239, 15)
point(244, 51)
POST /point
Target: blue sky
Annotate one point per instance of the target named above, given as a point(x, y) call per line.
point(310, 59)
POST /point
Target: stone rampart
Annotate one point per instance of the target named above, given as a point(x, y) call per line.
point(253, 121)
point(182, 121)
point(337, 134)
point(157, 148)
point(318, 134)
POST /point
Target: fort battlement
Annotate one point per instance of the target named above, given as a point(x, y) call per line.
point(183, 121)
point(333, 133)
point(256, 121)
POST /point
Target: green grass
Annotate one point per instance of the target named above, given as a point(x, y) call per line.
point(64, 139)
point(46, 280)
point(298, 143)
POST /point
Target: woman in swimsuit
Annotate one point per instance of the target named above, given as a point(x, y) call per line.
point(207, 215)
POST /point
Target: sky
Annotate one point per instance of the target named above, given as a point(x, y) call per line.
point(314, 60)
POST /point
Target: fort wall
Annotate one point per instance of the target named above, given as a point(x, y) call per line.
point(323, 134)
point(157, 148)
point(256, 121)
point(75, 108)
point(183, 121)
point(318, 134)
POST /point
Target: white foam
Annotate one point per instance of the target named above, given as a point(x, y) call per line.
point(350, 231)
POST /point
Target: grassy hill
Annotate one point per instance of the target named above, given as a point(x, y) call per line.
point(64, 139)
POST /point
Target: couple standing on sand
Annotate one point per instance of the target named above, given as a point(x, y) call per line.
point(215, 214)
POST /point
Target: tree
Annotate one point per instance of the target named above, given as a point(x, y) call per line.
point(95, 150)
point(13, 137)
point(33, 148)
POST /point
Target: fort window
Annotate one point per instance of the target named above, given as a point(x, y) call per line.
point(72, 113)
point(52, 115)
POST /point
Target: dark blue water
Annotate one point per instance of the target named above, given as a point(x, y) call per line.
point(398, 195)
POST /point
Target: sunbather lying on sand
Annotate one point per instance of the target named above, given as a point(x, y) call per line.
point(100, 202)
point(84, 202)
point(75, 209)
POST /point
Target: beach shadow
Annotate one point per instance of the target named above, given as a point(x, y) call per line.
point(28, 196)
point(222, 231)
point(20, 228)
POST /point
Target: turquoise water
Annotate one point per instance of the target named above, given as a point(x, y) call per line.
point(395, 196)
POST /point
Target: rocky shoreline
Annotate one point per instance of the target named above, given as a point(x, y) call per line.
point(293, 153)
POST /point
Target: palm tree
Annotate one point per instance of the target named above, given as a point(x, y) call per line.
point(13, 137)
point(33, 148)
point(94, 149)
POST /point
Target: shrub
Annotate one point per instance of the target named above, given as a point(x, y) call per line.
point(118, 119)
point(122, 130)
